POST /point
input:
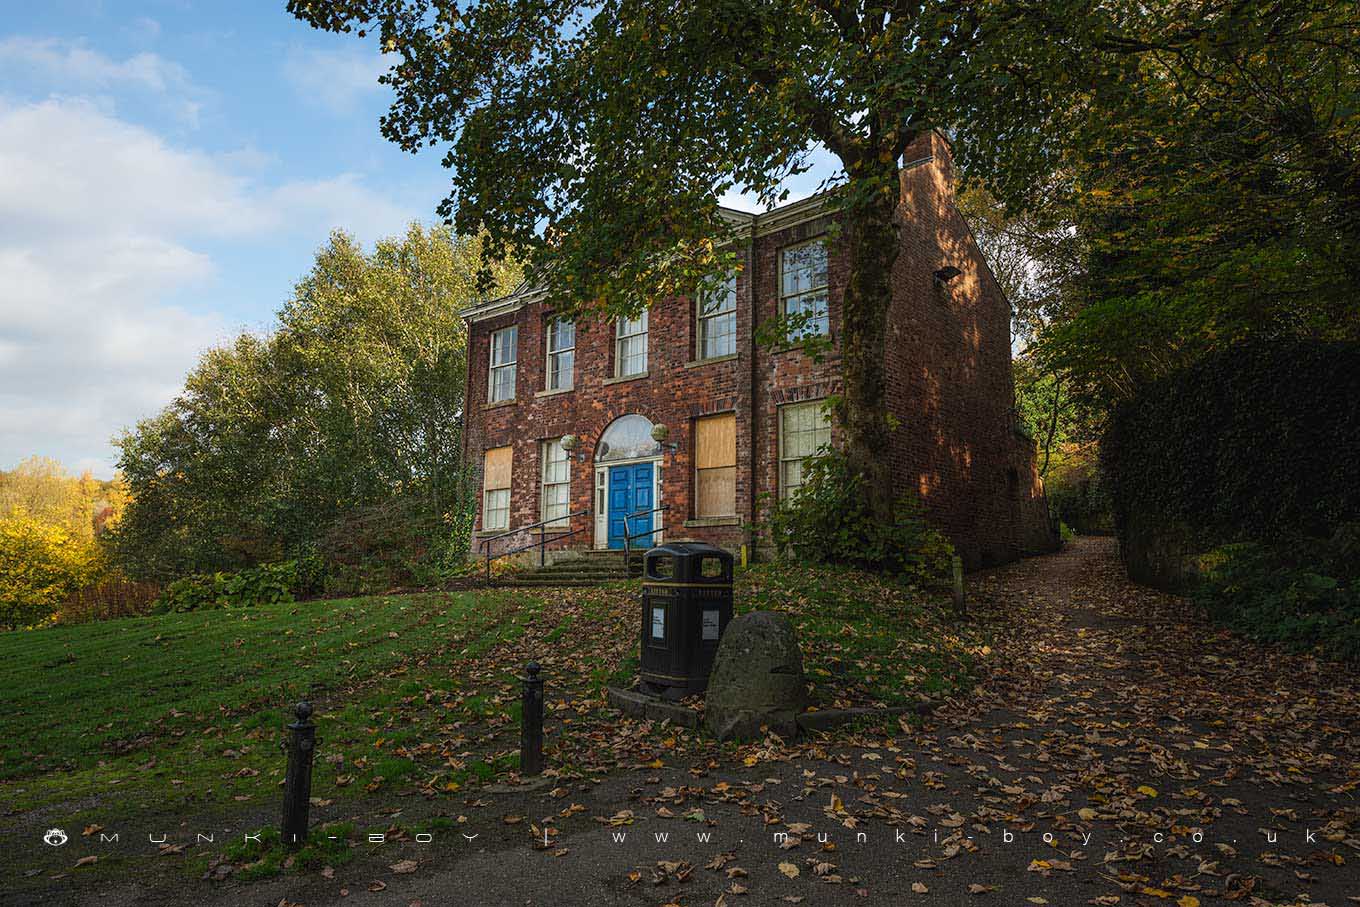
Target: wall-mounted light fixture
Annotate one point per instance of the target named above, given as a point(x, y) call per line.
point(660, 433)
point(570, 443)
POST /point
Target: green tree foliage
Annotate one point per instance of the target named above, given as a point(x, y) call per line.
point(1207, 196)
point(352, 404)
point(599, 136)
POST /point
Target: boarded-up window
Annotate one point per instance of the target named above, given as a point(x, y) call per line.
point(715, 465)
point(496, 489)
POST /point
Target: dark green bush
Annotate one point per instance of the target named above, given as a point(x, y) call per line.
point(1304, 594)
point(264, 585)
point(404, 541)
point(828, 521)
point(1251, 443)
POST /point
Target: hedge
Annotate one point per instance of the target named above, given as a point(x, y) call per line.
point(1257, 441)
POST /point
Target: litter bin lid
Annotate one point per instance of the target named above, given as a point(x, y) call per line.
point(688, 549)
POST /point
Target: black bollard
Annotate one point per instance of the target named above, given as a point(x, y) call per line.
point(531, 728)
point(297, 785)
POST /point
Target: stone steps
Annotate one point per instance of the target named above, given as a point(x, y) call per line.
point(593, 568)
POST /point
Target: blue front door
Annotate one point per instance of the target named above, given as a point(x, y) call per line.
point(630, 490)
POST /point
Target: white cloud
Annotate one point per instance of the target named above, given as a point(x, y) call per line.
point(102, 221)
point(336, 79)
point(71, 66)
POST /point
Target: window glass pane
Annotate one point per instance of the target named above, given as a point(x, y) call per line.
point(803, 268)
point(496, 509)
point(718, 320)
point(503, 346)
point(632, 355)
point(556, 483)
point(630, 348)
point(627, 438)
point(718, 335)
point(502, 378)
point(802, 286)
point(560, 367)
point(502, 383)
point(804, 430)
point(561, 335)
point(722, 298)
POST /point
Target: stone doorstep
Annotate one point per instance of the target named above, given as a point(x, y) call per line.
point(640, 705)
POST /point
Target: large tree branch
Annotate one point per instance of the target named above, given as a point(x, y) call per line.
point(820, 119)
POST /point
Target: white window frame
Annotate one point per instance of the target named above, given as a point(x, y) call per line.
point(818, 296)
point(708, 315)
point(785, 489)
point(626, 331)
point(499, 366)
point(549, 483)
point(556, 353)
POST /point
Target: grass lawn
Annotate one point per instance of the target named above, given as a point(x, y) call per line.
point(416, 695)
point(194, 704)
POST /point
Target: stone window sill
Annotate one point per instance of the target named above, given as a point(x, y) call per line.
point(554, 392)
point(622, 378)
point(499, 403)
point(705, 521)
point(701, 362)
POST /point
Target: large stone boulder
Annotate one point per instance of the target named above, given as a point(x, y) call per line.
point(757, 679)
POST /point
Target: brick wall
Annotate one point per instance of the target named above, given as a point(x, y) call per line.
point(950, 384)
point(675, 391)
point(949, 374)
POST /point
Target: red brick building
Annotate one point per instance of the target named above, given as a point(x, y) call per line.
point(564, 419)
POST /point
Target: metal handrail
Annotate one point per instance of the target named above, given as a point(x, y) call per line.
point(541, 544)
point(628, 536)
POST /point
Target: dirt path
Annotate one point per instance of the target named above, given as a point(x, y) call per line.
point(1120, 752)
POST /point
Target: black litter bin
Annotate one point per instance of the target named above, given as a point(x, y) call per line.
point(686, 606)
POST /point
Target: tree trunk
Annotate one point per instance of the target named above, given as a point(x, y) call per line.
point(872, 250)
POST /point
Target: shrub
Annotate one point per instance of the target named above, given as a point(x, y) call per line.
point(266, 584)
point(828, 521)
point(41, 565)
point(110, 597)
point(406, 540)
point(1303, 593)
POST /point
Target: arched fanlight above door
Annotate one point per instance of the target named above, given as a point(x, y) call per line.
point(627, 438)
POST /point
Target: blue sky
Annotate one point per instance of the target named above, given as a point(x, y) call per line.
point(167, 170)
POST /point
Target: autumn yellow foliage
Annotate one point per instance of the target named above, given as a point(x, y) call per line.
point(41, 564)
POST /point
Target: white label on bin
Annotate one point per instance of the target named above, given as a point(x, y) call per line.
point(659, 622)
point(710, 624)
